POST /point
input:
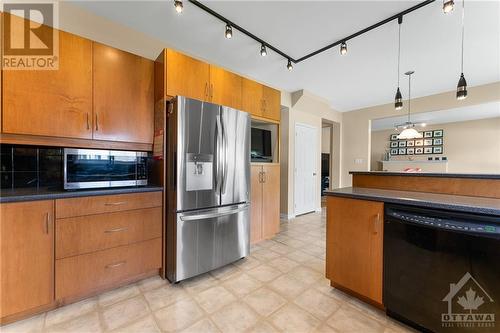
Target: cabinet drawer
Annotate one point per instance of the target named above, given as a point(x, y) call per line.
point(85, 234)
point(79, 275)
point(106, 204)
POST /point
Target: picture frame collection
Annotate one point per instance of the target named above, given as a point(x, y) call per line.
point(431, 143)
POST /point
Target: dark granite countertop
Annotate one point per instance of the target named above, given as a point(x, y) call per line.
point(478, 205)
point(30, 194)
point(428, 174)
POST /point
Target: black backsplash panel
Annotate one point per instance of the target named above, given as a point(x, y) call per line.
point(28, 166)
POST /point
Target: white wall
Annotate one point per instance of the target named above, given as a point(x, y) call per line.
point(326, 133)
point(470, 146)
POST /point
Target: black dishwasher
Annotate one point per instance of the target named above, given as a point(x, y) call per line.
point(442, 269)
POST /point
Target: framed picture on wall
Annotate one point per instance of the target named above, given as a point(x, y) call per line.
point(437, 150)
point(410, 143)
point(438, 133)
point(419, 142)
point(394, 137)
point(394, 152)
point(428, 134)
point(428, 150)
point(427, 142)
point(419, 151)
point(394, 144)
point(438, 142)
point(402, 151)
point(402, 143)
point(410, 151)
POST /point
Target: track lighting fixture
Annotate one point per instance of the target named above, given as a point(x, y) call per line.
point(229, 31)
point(462, 84)
point(343, 48)
point(178, 6)
point(289, 65)
point(263, 51)
point(448, 6)
point(398, 99)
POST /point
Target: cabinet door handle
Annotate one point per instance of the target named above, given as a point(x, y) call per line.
point(118, 264)
point(264, 176)
point(109, 231)
point(376, 224)
point(47, 222)
point(88, 123)
point(115, 203)
point(206, 91)
point(211, 91)
point(96, 123)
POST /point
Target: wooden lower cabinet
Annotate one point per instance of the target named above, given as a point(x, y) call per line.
point(265, 201)
point(354, 245)
point(26, 257)
point(80, 275)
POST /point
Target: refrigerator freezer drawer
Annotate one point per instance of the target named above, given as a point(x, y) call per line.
point(210, 239)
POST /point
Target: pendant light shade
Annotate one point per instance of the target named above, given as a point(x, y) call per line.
point(462, 88)
point(398, 100)
point(409, 133)
point(229, 31)
point(448, 6)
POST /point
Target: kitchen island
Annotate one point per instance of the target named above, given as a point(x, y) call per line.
point(394, 237)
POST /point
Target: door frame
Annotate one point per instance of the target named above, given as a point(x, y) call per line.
point(297, 124)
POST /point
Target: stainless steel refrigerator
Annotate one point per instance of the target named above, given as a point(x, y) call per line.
point(208, 187)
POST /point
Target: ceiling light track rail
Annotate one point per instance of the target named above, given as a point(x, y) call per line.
point(397, 16)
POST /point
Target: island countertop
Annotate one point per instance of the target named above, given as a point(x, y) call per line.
point(478, 205)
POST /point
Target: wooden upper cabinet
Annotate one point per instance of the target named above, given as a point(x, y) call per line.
point(354, 244)
point(225, 87)
point(186, 76)
point(272, 103)
point(123, 86)
point(252, 97)
point(26, 256)
point(52, 102)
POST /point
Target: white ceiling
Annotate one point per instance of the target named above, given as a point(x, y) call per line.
point(365, 77)
point(481, 111)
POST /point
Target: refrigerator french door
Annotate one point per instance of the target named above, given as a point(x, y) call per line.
point(208, 177)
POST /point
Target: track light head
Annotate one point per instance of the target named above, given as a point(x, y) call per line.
point(178, 6)
point(448, 6)
point(263, 50)
point(229, 31)
point(398, 100)
point(343, 48)
point(289, 65)
point(462, 88)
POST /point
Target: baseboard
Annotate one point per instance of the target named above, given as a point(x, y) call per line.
point(318, 210)
point(287, 216)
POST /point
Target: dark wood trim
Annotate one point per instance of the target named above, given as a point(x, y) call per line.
point(35, 140)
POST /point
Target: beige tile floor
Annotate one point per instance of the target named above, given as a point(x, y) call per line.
point(280, 287)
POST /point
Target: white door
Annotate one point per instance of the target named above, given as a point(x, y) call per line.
point(306, 154)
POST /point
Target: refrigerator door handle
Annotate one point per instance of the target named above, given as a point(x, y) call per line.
point(225, 169)
point(218, 144)
point(214, 214)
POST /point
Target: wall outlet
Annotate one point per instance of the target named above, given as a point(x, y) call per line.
point(358, 161)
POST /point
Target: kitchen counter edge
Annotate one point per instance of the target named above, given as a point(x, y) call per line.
point(427, 174)
point(476, 205)
point(18, 195)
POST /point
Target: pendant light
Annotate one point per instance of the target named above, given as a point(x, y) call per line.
point(409, 132)
point(462, 84)
point(398, 99)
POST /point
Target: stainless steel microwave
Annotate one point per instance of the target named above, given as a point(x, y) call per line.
point(95, 168)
